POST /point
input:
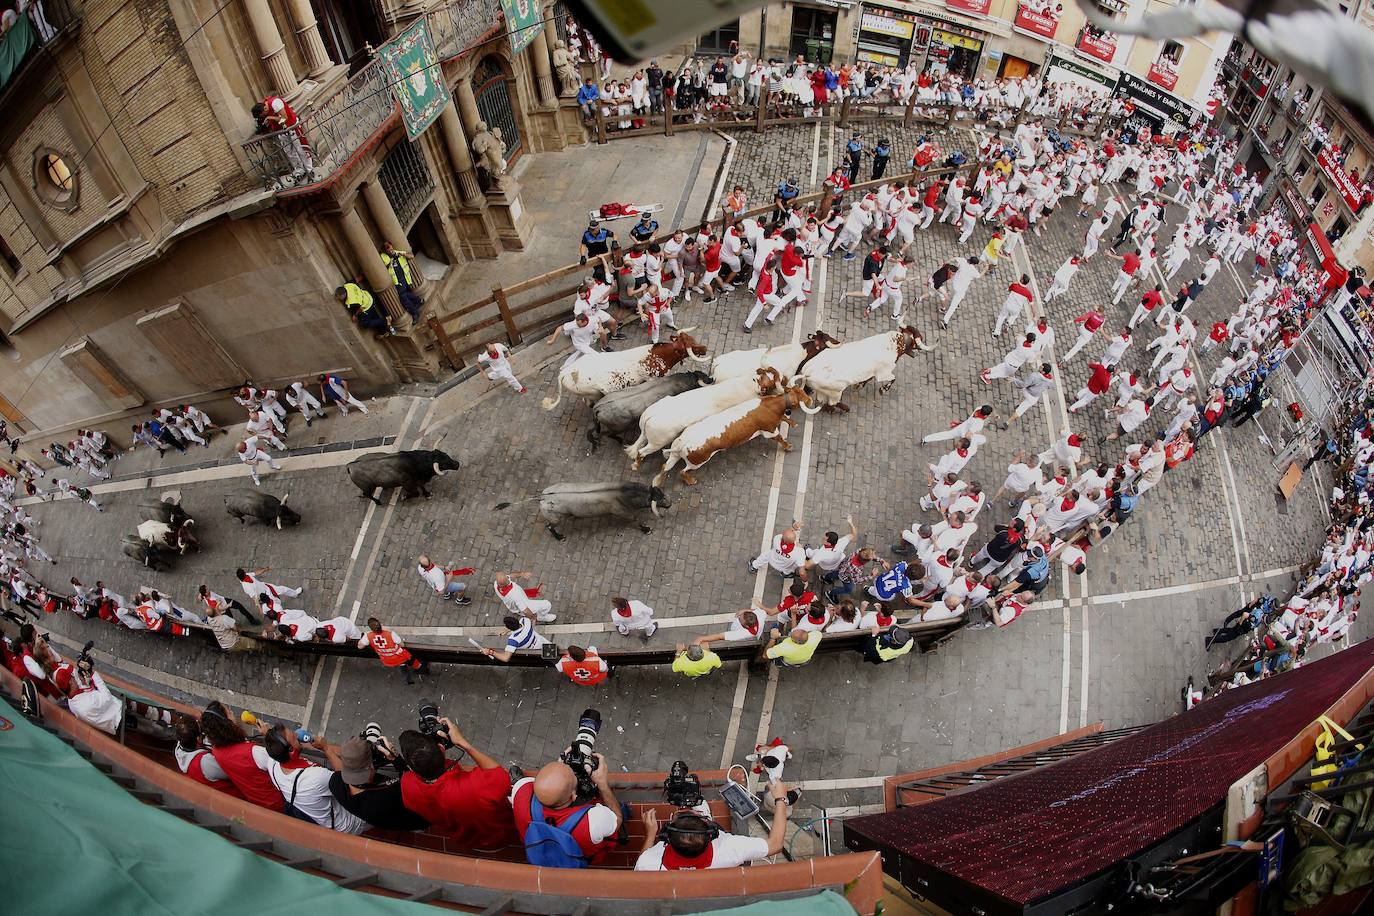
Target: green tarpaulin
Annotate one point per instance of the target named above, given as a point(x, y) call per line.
point(78, 843)
point(14, 47)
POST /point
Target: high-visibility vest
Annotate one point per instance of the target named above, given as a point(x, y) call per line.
point(384, 644)
point(150, 616)
point(355, 295)
point(391, 262)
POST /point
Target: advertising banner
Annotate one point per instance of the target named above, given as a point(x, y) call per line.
point(1098, 44)
point(1037, 19)
point(1164, 72)
point(976, 7)
point(1345, 185)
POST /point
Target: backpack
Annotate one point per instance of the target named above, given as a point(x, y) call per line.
point(553, 846)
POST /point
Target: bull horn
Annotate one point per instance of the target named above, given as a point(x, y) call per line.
point(278, 521)
point(681, 331)
point(695, 358)
point(437, 472)
point(653, 507)
point(922, 345)
point(285, 498)
point(810, 411)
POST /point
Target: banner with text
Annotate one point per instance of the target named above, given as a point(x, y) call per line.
point(1345, 185)
point(416, 80)
point(976, 7)
point(1164, 72)
point(1098, 44)
point(1036, 19)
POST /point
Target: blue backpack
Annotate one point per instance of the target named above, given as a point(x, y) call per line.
point(550, 846)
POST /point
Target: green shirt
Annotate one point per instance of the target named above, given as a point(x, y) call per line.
point(793, 653)
point(709, 662)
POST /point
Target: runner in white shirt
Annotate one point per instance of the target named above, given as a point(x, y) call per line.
point(496, 359)
point(581, 332)
point(631, 616)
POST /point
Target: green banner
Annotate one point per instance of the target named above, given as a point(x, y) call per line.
point(523, 22)
point(416, 80)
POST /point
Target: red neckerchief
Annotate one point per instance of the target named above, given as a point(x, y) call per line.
point(786, 547)
point(674, 861)
point(504, 590)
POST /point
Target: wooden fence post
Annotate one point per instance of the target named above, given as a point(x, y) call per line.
point(763, 109)
point(844, 111)
point(600, 122)
point(667, 117)
point(455, 361)
point(910, 106)
point(512, 332)
point(1020, 113)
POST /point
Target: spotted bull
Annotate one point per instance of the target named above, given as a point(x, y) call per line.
point(564, 502)
point(601, 373)
point(699, 442)
point(663, 422)
point(787, 359)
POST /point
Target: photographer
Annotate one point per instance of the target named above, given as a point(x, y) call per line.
point(87, 696)
point(689, 841)
point(362, 790)
point(467, 804)
point(550, 801)
point(306, 788)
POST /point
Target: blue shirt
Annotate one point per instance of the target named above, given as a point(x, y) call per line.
point(893, 583)
point(787, 191)
point(587, 94)
point(854, 148)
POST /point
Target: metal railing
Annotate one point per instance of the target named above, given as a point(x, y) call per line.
point(46, 21)
point(336, 130)
point(348, 121)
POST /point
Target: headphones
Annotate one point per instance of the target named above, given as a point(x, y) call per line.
point(710, 830)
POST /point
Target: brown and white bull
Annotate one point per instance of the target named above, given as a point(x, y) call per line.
point(873, 359)
point(601, 373)
point(788, 359)
point(665, 420)
point(729, 428)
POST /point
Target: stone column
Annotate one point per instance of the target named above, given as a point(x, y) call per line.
point(467, 106)
point(538, 52)
point(384, 215)
point(513, 224)
point(273, 51)
point(365, 250)
point(308, 34)
point(457, 143)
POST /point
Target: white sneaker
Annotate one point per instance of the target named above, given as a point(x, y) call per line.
point(623, 631)
point(548, 617)
point(653, 628)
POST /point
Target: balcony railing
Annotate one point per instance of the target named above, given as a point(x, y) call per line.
point(353, 117)
point(35, 28)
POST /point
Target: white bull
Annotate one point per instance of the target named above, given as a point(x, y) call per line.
point(871, 359)
point(664, 420)
point(787, 358)
point(596, 374)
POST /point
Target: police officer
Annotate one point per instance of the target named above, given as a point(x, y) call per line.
point(786, 193)
point(855, 151)
point(881, 153)
point(645, 229)
point(362, 307)
point(596, 240)
point(397, 264)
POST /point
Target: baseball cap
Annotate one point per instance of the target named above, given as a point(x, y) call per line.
point(356, 756)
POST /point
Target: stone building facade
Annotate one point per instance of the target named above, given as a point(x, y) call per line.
point(153, 248)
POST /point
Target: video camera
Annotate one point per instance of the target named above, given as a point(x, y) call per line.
point(85, 664)
point(682, 789)
point(579, 757)
point(430, 725)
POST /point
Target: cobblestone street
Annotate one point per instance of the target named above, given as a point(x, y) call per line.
point(1115, 644)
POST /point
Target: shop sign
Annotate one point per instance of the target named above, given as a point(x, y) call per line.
point(880, 24)
point(878, 57)
point(1294, 202)
point(1164, 72)
point(1345, 185)
point(1038, 19)
point(1101, 46)
point(976, 7)
point(1080, 71)
point(1149, 96)
point(956, 41)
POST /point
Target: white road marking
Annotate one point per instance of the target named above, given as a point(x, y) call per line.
point(732, 732)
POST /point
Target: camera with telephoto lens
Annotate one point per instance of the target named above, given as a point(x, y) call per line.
point(84, 662)
point(372, 734)
point(579, 757)
point(682, 789)
point(430, 725)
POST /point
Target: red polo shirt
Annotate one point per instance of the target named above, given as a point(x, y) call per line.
point(471, 807)
point(1130, 264)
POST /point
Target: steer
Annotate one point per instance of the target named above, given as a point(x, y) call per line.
point(618, 412)
point(756, 417)
point(871, 359)
point(409, 470)
point(167, 509)
point(261, 506)
point(562, 502)
point(662, 423)
point(153, 558)
point(163, 536)
point(786, 358)
point(601, 373)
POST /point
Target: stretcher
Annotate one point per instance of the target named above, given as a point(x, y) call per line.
point(627, 210)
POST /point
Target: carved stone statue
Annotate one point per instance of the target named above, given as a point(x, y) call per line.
point(490, 151)
point(566, 68)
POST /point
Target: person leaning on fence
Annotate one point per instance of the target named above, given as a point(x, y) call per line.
point(364, 309)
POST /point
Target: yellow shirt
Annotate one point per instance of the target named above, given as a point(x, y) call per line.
point(684, 665)
point(993, 250)
point(793, 653)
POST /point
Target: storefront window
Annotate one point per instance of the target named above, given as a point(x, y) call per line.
point(951, 52)
point(723, 39)
point(813, 34)
point(885, 37)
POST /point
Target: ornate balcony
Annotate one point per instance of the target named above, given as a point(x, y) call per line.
point(27, 42)
point(353, 118)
